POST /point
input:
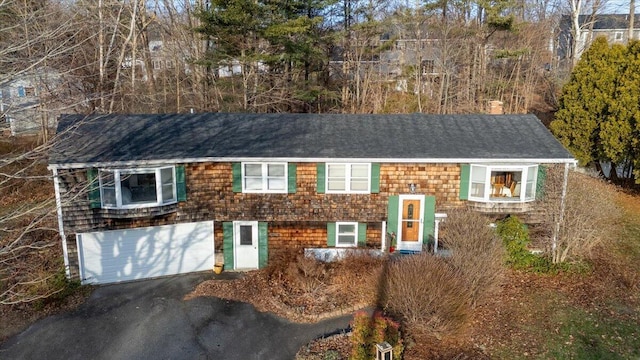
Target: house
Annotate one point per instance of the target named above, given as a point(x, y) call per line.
point(141, 196)
point(394, 55)
point(615, 27)
point(26, 103)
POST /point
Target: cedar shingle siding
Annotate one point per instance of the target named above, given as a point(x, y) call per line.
point(297, 219)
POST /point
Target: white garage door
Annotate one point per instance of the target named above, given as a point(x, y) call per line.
point(122, 255)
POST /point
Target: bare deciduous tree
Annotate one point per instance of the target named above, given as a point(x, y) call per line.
point(586, 217)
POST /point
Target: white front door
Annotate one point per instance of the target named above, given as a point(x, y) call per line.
point(410, 222)
point(245, 244)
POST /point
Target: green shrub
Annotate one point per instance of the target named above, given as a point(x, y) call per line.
point(331, 355)
point(367, 331)
point(515, 237)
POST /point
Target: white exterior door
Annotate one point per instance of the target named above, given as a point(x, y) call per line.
point(245, 244)
point(140, 253)
point(410, 222)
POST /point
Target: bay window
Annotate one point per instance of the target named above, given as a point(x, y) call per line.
point(136, 188)
point(503, 183)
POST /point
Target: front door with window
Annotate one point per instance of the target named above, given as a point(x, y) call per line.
point(410, 222)
point(245, 243)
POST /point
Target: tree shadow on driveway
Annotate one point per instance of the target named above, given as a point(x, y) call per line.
point(150, 320)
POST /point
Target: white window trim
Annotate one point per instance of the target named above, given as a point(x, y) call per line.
point(347, 179)
point(265, 178)
point(355, 227)
point(118, 187)
point(524, 168)
point(618, 36)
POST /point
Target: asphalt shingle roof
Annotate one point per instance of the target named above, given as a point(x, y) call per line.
point(127, 138)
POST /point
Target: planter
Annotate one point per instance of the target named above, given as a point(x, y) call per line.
point(217, 268)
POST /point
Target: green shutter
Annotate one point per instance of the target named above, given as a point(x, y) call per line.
point(392, 214)
point(237, 177)
point(331, 234)
point(263, 245)
point(181, 184)
point(465, 172)
point(94, 188)
point(429, 221)
point(227, 245)
point(321, 177)
point(542, 177)
point(362, 234)
point(291, 181)
point(375, 178)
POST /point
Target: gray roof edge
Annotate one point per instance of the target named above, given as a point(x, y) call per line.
point(159, 162)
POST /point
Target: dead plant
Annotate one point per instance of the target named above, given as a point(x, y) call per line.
point(477, 253)
point(590, 215)
point(428, 294)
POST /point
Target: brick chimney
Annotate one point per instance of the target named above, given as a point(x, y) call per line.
point(495, 107)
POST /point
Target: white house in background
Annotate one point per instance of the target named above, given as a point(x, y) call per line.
point(27, 105)
point(615, 27)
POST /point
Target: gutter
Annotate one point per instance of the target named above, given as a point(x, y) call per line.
point(84, 165)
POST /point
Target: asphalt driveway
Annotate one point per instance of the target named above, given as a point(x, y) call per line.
point(150, 320)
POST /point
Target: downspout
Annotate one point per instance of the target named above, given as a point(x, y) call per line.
point(63, 237)
point(556, 233)
point(383, 243)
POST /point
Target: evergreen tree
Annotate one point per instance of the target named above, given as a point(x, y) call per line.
point(599, 111)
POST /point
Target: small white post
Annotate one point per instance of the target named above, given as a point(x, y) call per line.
point(384, 351)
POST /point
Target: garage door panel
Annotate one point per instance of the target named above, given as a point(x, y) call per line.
point(122, 255)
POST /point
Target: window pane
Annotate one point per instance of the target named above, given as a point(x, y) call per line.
point(359, 185)
point(530, 191)
point(346, 239)
point(109, 196)
point(246, 235)
point(478, 173)
point(167, 185)
point(336, 170)
point(276, 184)
point(107, 179)
point(253, 183)
point(477, 189)
point(275, 169)
point(167, 193)
point(531, 174)
point(336, 185)
point(346, 229)
point(167, 176)
point(138, 188)
point(361, 171)
point(108, 188)
point(253, 170)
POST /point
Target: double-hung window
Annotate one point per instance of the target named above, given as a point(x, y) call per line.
point(503, 183)
point(264, 177)
point(136, 188)
point(348, 178)
point(346, 234)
